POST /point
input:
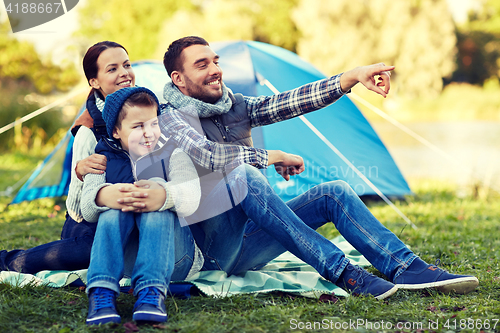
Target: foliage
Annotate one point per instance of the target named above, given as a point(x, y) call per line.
point(18, 100)
point(415, 36)
point(134, 24)
point(479, 46)
point(217, 20)
point(23, 77)
point(19, 61)
point(457, 102)
point(487, 19)
point(461, 232)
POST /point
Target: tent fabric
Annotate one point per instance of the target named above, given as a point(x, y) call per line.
point(244, 63)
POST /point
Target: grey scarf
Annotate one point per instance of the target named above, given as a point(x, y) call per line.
point(176, 99)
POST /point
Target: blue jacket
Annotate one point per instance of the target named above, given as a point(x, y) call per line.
point(120, 168)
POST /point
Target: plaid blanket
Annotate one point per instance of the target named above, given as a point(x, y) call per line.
point(286, 273)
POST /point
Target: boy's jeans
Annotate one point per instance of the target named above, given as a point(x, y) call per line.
point(157, 239)
point(262, 227)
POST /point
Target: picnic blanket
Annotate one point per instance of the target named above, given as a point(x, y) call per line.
point(286, 273)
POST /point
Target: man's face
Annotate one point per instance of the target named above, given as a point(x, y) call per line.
point(201, 75)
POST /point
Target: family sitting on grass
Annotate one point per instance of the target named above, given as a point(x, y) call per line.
point(142, 229)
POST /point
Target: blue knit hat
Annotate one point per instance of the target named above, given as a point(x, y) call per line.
point(115, 101)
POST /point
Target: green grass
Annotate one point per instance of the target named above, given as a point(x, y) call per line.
point(462, 232)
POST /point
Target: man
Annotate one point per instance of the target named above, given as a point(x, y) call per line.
point(261, 226)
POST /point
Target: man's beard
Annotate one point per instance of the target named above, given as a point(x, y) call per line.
point(199, 92)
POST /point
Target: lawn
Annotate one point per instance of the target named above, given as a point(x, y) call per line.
point(462, 232)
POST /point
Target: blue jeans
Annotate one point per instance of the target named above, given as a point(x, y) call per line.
point(262, 227)
point(149, 245)
point(71, 252)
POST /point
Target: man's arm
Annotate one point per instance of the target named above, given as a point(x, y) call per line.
point(265, 110)
point(366, 75)
point(210, 155)
point(286, 164)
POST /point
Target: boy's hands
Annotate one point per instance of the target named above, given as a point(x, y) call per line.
point(142, 196)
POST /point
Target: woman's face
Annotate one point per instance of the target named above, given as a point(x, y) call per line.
point(114, 71)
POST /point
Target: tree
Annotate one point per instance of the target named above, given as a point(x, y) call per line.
point(135, 24)
point(416, 36)
point(479, 46)
point(20, 61)
point(22, 73)
point(260, 20)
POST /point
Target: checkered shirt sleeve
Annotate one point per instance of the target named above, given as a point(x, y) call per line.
point(265, 110)
point(209, 154)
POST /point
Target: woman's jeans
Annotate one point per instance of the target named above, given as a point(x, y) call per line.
point(71, 252)
point(262, 226)
point(148, 245)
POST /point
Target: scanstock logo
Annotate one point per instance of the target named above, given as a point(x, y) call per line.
point(25, 14)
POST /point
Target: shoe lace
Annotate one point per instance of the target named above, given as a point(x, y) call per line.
point(437, 263)
point(103, 298)
point(149, 296)
point(360, 271)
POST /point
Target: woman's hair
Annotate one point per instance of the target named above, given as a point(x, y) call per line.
point(90, 67)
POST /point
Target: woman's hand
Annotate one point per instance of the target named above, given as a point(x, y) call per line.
point(95, 163)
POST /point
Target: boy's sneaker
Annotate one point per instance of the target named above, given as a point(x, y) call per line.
point(422, 275)
point(358, 281)
point(150, 306)
point(102, 307)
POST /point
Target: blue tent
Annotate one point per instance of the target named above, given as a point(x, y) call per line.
point(246, 64)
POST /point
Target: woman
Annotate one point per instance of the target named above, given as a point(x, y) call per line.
point(107, 68)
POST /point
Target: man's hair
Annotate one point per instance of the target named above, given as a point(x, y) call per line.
point(137, 99)
point(172, 58)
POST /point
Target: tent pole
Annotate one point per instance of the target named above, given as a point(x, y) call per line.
point(264, 81)
point(41, 110)
point(402, 127)
point(422, 140)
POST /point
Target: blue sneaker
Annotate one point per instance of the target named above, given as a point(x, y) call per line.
point(102, 307)
point(421, 275)
point(356, 280)
point(150, 306)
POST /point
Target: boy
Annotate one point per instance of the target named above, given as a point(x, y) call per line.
point(132, 125)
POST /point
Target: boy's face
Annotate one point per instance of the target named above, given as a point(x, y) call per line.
point(139, 130)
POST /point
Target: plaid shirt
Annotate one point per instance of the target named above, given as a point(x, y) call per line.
point(263, 110)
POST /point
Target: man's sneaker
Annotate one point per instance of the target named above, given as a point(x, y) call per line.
point(102, 307)
point(150, 306)
point(422, 275)
point(358, 281)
